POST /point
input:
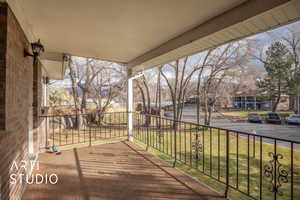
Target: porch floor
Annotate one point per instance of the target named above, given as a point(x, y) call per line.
point(113, 171)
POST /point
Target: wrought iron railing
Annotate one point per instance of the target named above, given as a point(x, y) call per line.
point(255, 166)
point(88, 128)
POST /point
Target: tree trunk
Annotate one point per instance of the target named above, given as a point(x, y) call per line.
point(148, 116)
point(206, 109)
point(175, 100)
point(209, 114)
point(145, 107)
point(73, 77)
point(274, 108)
point(198, 108)
point(83, 102)
point(198, 96)
point(158, 101)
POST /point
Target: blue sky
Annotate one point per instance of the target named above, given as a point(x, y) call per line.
point(265, 39)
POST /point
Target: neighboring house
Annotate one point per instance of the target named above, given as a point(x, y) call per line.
point(257, 101)
point(294, 103)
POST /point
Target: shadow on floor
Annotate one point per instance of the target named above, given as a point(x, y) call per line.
point(113, 171)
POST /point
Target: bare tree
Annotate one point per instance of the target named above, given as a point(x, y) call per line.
point(158, 97)
point(109, 84)
point(178, 83)
point(97, 80)
point(293, 44)
point(221, 63)
point(143, 86)
point(73, 77)
point(199, 79)
point(215, 67)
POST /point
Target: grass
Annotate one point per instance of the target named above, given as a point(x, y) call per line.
point(243, 114)
point(212, 162)
point(94, 135)
point(114, 126)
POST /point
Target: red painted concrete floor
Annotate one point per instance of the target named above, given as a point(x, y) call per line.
point(113, 171)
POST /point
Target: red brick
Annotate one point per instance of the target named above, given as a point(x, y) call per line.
point(20, 88)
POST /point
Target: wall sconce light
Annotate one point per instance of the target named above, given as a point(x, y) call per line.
point(37, 50)
point(47, 80)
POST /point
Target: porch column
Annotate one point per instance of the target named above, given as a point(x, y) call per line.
point(130, 105)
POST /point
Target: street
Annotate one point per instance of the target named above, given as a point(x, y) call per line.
point(283, 131)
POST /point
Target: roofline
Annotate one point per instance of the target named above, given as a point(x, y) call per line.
point(229, 18)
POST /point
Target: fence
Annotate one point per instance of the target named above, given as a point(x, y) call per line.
point(255, 166)
point(85, 128)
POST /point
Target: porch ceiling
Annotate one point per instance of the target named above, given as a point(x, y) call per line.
point(143, 33)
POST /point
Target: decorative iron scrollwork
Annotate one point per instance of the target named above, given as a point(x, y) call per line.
point(276, 172)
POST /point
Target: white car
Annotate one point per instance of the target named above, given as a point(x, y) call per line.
point(293, 119)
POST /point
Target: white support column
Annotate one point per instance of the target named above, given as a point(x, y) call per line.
point(130, 105)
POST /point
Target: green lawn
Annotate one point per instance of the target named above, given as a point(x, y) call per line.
point(63, 137)
point(212, 161)
point(113, 126)
point(243, 115)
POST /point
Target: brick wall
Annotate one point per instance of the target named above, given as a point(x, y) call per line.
point(37, 103)
point(19, 101)
point(3, 28)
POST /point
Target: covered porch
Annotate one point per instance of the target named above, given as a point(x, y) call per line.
point(138, 35)
point(114, 171)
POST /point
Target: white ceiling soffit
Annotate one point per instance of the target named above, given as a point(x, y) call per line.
point(146, 33)
point(251, 18)
point(115, 30)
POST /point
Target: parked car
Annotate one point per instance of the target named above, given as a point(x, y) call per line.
point(253, 117)
point(273, 117)
point(293, 119)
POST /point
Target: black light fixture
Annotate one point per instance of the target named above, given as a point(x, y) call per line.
point(47, 80)
point(37, 50)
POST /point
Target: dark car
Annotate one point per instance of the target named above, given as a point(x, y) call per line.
point(253, 117)
point(273, 117)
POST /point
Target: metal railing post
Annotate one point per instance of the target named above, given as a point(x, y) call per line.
point(227, 164)
point(147, 127)
point(175, 145)
point(47, 126)
point(90, 136)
